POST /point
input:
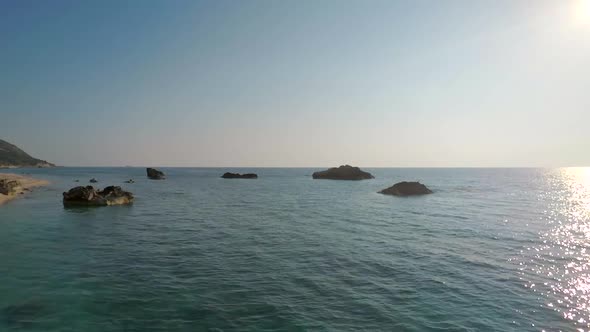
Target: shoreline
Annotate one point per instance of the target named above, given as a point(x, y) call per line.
point(26, 185)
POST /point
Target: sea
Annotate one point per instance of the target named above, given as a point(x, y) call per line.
point(504, 249)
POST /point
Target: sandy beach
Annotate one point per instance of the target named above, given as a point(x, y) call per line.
point(26, 184)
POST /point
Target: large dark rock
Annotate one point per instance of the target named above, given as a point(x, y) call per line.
point(88, 196)
point(229, 175)
point(406, 189)
point(345, 172)
point(9, 187)
point(83, 196)
point(154, 174)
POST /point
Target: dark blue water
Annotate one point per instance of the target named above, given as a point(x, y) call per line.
point(490, 250)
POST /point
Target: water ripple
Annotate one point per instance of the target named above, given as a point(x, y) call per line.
point(491, 250)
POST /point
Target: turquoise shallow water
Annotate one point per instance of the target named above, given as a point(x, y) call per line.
point(490, 250)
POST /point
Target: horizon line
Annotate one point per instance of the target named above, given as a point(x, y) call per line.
point(302, 167)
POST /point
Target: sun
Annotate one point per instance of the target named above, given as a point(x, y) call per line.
point(582, 12)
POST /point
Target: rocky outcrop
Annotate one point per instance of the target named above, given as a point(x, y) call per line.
point(154, 174)
point(13, 185)
point(229, 175)
point(345, 172)
point(9, 187)
point(406, 189)
point(88, 196)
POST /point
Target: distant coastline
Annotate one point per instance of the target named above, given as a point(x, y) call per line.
point(47, 165)
point(12, 156)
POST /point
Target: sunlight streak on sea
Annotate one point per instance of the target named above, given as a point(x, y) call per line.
point(558, 268)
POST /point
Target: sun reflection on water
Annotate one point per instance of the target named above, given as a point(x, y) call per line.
point(562, 260)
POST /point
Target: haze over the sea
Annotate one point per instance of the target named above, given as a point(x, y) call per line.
point(297, 83)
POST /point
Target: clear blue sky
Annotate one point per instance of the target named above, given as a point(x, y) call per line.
point(297, 83)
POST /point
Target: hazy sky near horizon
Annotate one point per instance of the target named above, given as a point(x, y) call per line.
point(297, 83)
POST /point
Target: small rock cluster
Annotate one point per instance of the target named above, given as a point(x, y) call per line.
point(229, 175)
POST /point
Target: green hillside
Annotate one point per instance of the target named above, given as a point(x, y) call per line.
point(12, 156)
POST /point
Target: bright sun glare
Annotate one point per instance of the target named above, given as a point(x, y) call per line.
point(582, 12)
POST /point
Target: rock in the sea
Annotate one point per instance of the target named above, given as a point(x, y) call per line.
point(88, 196)
point(406, 189)
point(154, 174)
point(130, 181)
point(116, 196)
point(345, 172)
point(93, 180)
point(229, 175)
point(8, 187)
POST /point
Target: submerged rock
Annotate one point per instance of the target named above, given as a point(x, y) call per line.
point(23, 315)
point(229, 175)
point(130, 181)
point(406, 189)
point(154, 174)
point(88, 196)
point(9, 187)
point(345, 172)
point(93, 180)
